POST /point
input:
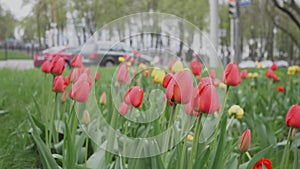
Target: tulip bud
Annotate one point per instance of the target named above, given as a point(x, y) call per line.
point(196, 67)
point(122, 73)
point(231, 75)
point(236, 111)
point(77, 61)
point(274, 66)
point(123, 108)
point(280, 89)
point(59, 84)
point(134, 96)
point(244, 74)
point(190, 137)
point(103, 98)
point(178, 66)
point(97, 76)
point(270, 73)
point(244, 142)
point(57, 65)
point(46, 66)
point(80, 89)
point(292, 118)
point(86, 117)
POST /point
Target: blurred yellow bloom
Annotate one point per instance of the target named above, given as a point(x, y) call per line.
point(178, 66)
point(155, 71)
point(121, 59)
point(128, 63)
point(250, 75)
point(292, 70)
point(190, 137)
point(142, 66)
point(255, 74)
point(258, 64)
point(222, 85)
point(298, 70)
point(236, 111)
point(159, 76)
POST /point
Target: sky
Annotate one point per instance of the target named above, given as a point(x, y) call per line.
point(15, 6)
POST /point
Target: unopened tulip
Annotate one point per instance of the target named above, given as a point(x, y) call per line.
point(231, 75)
point(244, 74)
point(75, 73)
point(97, 76)
point(275, 78)
point(103, 98)
point(46, 66)
point(280, 89)
point(292, 118)
point(77, 61)
point(159, 76)
point(86, 117)
point(263, 163)
point(196, 67)
point(134, 96)
point(80, 89)
point(57, 65)
point(244, 142)
point(180, 87)
point(166, 80)
point(59, 84)
point(122, 73)
point(142, 66)
point(123, 108)
point(206, 99)
point(236, 111)
point(64, 96)
point(177, 66)
point(270, 73)
point(274, 66)
point(212, 74)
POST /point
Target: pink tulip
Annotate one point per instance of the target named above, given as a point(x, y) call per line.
point(46, 66)
point(196, 67)
point(77, 61)
point(134, 96)
point(122, 73)
point(244, 74)
point(231, 75)
point(166, 80)
point(57, 65)
point(123, 108)
point(59, 84)
point(97, 76)
point(80, 89)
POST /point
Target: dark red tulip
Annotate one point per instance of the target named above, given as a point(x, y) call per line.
point(231, 75)
point(292, 118)
point(180, 87)
point(57, 65)
point(122, 73)
point(77, 61)
point(166, 80)
point(206, 99)
point(280, 89)
point(123, 108)
point(134, 96)
point(244, 74)
point(196, 67)
point(263, 162)
point(59, 84)
point(274, 66)
point(46, 66)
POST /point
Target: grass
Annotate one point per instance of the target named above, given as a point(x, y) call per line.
point(19, 87)
point(13, 55)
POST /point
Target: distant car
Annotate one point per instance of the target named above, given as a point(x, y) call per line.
point(105, 53)
point(48, 54)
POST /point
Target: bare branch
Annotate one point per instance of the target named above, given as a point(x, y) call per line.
point(289, 13)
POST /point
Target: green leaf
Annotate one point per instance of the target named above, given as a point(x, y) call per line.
point(258, 156)
point(296, 158)
point(97, 160)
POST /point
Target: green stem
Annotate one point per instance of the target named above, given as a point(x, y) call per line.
point(231, 119)
point(240, 161)
point(52, 125)
point(86, 147)
point(248, 155)
point(168, 134)
point(285, 157)
point(195, 143)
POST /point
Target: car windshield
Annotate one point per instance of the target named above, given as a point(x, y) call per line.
point(53, 49)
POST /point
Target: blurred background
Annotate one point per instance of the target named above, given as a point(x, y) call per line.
point(244, 31)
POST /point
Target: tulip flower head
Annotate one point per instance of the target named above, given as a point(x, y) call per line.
point(236, 111)
point(77, 61)
point(123, 108)
point(244, 142)
point(59, 84)
point(97, 76)
point(196, 67)
point(231, 75)
point(212, 74)
point(180, 87)
point(46, 66)
point(80, 89)
point(102, 99)
point(158, 76)
point(134, 96)
point(57, 65)
point(263, 162)
point(86, 117)
point(292, 118)
point(190, 137)
point(75, 73)
point(274, 66)
point(171, 63)
point(122, 73)
point(166, 80)
point(270, 73)
point(244, 74)
point(178, 66)
point(280, 89)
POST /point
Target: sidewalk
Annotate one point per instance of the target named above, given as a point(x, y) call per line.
point(17, 64)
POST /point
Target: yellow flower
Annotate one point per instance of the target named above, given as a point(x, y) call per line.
point(255, 75)
point(292, 70)
point(190, 137)
point(298, 69)
point(121, 59)
point(222, 85)
point(236, 111)
point(128, 63)
point(142, 66)
point(258, 64)
point(155, 71)
point(159, 76)
point(250, 75)
point(178, 66)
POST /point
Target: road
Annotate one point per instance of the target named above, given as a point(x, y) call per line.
point(17, 64)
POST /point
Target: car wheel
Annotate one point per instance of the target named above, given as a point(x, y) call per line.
point(109, 63)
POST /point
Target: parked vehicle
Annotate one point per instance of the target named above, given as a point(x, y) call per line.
point(107, 53)
point(64, 51)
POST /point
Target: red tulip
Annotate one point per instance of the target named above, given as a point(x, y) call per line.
point(244, 74)
point(231, 75)
point(46, 66)
point(244, 142)
point(134, 96)
point(196, 67)
point(280, 89)
point(180, 87)
point(67, 80)
point(212, 74)
point(88, 72)
point(59, 84)
point(275, 77)
point(57, 65)
point(166, 80)
point(122, 73)
point(77, 61)
point(189, 109)
point(75, 73)
point(123, 108)
point(274, 66)
point(270, 73)
point(206, 99)
point(97, 76)
point(64, 96)
point(263, 162)
point(80, 89)
point(292, 118)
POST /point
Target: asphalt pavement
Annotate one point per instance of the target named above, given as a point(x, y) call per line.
point(17, 64)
